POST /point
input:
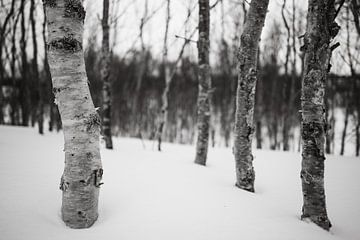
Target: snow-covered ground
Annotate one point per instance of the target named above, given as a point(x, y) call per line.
point(149, 195)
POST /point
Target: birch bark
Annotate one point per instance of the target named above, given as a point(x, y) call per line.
point(203, 102)
point(105, 73)
point(83, 171)
point(321, 28)
point(245, 97)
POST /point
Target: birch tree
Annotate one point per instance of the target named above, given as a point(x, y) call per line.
point(105, 73)
point(81, 123)
point(164, 97)
point(245, 97)
point(321, 29)
point(203, 102)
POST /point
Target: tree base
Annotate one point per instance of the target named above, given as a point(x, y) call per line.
point(245, 187)
point(79, 224)
point(321, 221)
point(200, 161)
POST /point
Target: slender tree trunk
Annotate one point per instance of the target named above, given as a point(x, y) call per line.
point(3, 29)
point(83, 171)
point(203, 102)
point(141, 71)
point(357, 132)
point(357, 128)
point(164, 98)
point(245, 97)
point(24, 89)
point(289, 105)
point(321, 28)
point(14, 114)
point(40, 106)
point(346, 120)
point(258, 134)
point(105, 73)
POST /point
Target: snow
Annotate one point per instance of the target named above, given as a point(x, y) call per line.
point(151, 195)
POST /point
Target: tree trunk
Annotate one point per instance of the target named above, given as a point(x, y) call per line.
point(346, 120)
point(245, 97)
point(321, 28)
point(83, 171)
point(357, 143)
point(203, 101)
point(164, 97)
point(105, 73)
point(14, 114)
point(40, 106)
point(24, 88)
point(139, 75)
point(258, 134)
point(3, 34)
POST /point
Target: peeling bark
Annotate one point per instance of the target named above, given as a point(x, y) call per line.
point(203, 101)
point(321, 28)
point(245, 97)
point(83, 171)
point(105, 74)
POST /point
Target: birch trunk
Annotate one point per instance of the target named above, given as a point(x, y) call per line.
point(203, 101)
point(321, 28)
point(83, 171)
point(165, 101)
point(245, 97)
point(105, 73)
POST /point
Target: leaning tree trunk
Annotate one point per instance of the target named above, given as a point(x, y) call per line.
point(245, 97)
point(83, 171)
point(321, 28)
point(105, 73)
point(165, 100)
point(203, 101)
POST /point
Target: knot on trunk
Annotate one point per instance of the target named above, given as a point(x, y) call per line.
point(50, 3)
point(334, 29)
point(74, 9)
point(92, 122)
point(67, 43)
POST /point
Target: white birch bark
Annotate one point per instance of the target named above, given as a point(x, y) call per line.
point(83, 171)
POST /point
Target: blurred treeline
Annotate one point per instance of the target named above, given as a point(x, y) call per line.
point(26, 97)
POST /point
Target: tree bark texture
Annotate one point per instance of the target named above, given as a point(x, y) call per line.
point(245, 97)
point(203, 101)
point(321, 28)
point(105, 74)
point(81, 123)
